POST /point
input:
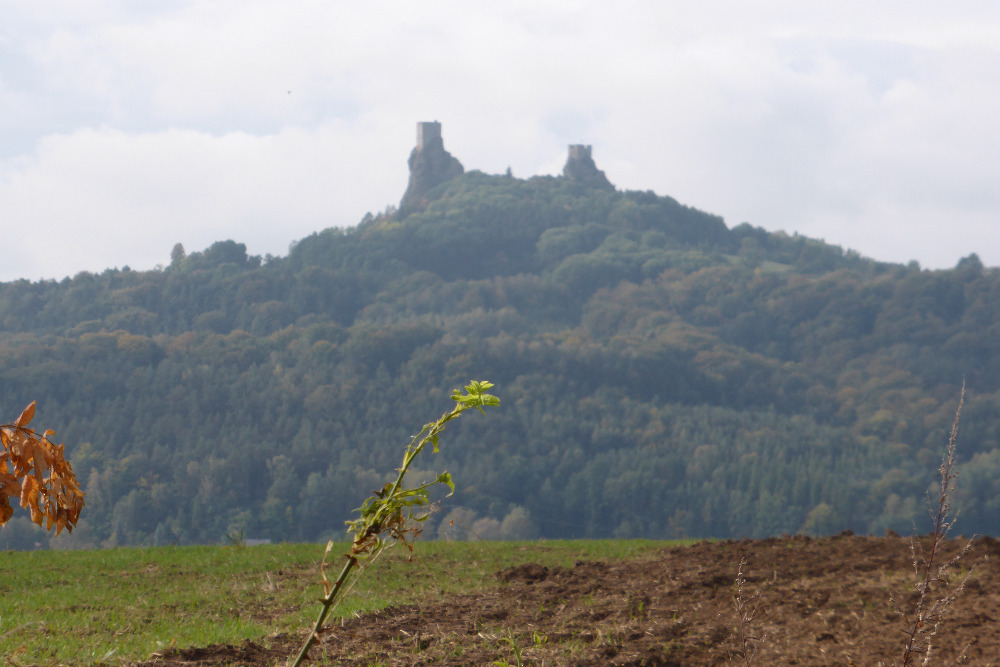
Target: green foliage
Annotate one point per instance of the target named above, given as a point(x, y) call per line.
point(515, 651)
point(741, 378)
point(389, 511)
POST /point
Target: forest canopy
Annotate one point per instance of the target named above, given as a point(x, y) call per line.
point(662, 375)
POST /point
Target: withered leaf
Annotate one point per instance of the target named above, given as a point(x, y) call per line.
point(56, 498)
point(26, 416)
point(29, 492)
point(9, 485)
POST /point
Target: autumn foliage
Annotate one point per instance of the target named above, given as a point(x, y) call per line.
point(35, 470)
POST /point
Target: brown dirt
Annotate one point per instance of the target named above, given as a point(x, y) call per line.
point(833, 601)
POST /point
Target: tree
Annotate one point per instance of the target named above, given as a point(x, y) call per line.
point(518, 525)
point(822, 520)
point(177, 254)
point(457, 525)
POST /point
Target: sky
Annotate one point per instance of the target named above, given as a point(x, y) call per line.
point(127, 127)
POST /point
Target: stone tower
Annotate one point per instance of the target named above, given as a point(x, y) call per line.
point(580, 166)
point(580, 152)
point(428, 133)
point(430, 166)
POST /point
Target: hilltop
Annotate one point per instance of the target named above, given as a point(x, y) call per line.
point(661, 374)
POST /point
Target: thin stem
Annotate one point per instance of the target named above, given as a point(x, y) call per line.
point(927, 614)
point(384, 515)
point(327, 604)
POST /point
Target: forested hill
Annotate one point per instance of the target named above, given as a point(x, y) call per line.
point(661, 375)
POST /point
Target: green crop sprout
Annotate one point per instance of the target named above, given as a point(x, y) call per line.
point(385, 515)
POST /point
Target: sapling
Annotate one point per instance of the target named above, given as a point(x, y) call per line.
point(387, 516)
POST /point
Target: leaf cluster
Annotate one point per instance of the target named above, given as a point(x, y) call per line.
point(35, 470)
point(389, 512)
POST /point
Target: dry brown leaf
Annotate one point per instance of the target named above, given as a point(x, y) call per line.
point(26, 416)
point(6, 511)
point(35, 469)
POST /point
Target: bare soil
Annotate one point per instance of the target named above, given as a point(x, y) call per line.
point(836, 601)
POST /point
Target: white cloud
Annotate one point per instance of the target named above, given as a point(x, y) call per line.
point(126, 127)
point(103, 198)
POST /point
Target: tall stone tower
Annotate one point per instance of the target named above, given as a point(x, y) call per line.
point(580, 166)
point(428, 133)
point(430, 166)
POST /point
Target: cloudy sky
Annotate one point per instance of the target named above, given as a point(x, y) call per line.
point(127, 127)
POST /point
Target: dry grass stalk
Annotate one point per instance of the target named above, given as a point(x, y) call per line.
point(748, 607)
point(935, 595)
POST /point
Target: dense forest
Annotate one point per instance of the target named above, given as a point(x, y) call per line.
point(661, 375)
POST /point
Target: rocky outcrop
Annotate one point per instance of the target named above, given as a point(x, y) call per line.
point(430, 166)
point(580, 167)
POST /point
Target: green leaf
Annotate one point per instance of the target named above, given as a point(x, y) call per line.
point(445, 478)
point(475, 396)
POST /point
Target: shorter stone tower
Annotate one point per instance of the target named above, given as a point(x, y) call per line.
point(580, 152)
point(430, 166)
point(580, 166)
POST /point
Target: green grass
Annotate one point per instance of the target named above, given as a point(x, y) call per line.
point(77, 607)
point(111, 606)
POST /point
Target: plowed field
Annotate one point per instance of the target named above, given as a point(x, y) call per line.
point(834, 601)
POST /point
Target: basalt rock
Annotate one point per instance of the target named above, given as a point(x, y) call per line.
point(430, 166)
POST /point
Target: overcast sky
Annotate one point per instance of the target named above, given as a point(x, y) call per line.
point(127, 127)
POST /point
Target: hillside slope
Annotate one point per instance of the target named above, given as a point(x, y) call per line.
point(661, 375)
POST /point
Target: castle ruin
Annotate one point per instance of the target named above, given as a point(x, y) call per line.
point(430, 165)
point(580, 167)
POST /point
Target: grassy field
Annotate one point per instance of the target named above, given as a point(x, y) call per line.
point(121, 605)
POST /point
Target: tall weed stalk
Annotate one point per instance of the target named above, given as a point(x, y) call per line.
point(934, 595)
point(387, 516)
point(748, 605)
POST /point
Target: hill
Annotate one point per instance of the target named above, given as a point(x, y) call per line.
point(661, 375)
